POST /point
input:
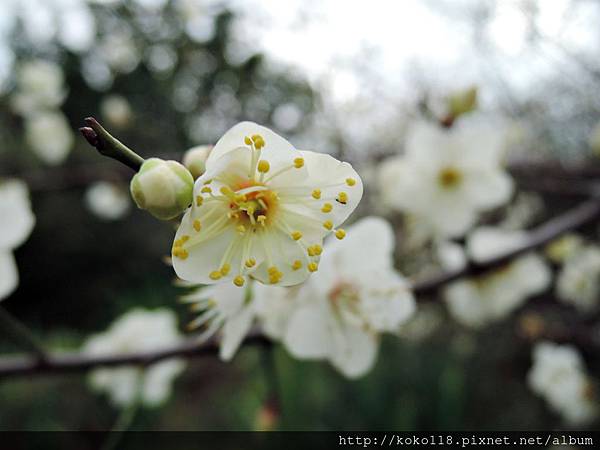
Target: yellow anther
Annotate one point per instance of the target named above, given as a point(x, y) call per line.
point(241, 229)
point(296, 235)
point(340, 234)
point(225, 269)
point(274, 274)
point(312, 266)
point(180, 253)
point(350, 181)
point(226, 191)
point(207, 181)
point(297, 264)
point(342, 198)
point(272, 270)
point(250, 263)
point(316, 194)
point(258, 140)
point(240, 198)
point(328, 224)
point(327, 207)
point(263, 166)
point(184, 238)
point(310, 251)
point(215, 275)
point(298, 163)
point(317, 249)
point(247, 141)
point(261, 219)
point(197, 225)
point(206, 190)
point(239, 281)
point(199, 200)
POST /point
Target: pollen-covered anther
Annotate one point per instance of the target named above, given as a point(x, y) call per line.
point(180, 252)
point(327, 207)
point(342, 198)
point(317, 249)
point(258, 141)
point(215, 275)
point(340, 233)
point(206, 190)
point(296, 265)
point(261, 219)
point(241, 229)
point(247, 140)
point(328, 225)
point(225, 269)
point(251, 262)
point(350, 181)
point(263, 166)
point(299, 163)
point(197, 225)
point(296, 235)
point(274, 274)
point(199, 200)
point(239, 281)
point(316, 194)
point(312, 266)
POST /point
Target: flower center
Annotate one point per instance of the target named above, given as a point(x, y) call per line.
point(251, 204)
point(450, 177)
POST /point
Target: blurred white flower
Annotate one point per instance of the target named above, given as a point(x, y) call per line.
point(427, 319)
point(138, 330)
point(226, 310)
point(578, 282)
point(16, 225)
point(494, 295)
point(261, 210)
point(561, 249)
point(116, 110)
point(107, 200)
point(49, 136)
point(450, 255)
point(120, 52)
point(559, 376)
point(339, 313)
point(40, 85)
point(195, 158)
point(447, 176)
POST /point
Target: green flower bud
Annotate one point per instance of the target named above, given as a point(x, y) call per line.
point(195, 159)
point(462, 102)
point(163, 188)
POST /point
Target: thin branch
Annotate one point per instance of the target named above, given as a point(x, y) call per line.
point(571, 220)
point(11, 366)
point(21, 335)
point(108, 145)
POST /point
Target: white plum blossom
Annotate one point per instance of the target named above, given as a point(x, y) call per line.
point(578, 282)
point(49, 136)
point(16, 225)
point(225, 310)
point(138, 330)
point(40, 86)
point(116, 110)
point(339, 313)
point(558, 375)
point(494, 295)
point(261, 210)
point(107, 200)
point(447, 176)
point(195, 158)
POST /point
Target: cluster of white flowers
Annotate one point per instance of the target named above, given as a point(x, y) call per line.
point(16, 225)
point(558, 375)
point(447, 176)
point(136, 331)
point(38, 96)
point(493, 296)
point(578, 282)
point(337, 315)
point(108, 201)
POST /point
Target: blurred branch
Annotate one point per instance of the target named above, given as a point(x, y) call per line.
point(575, 218)
point(108, 145)
point(21, 335)
point(79, 362)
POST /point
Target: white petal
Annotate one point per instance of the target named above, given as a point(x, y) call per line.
point(488, 189)
point(274, 306)
point(158, 380)
point(488, 242)
point(15, 210)
point(9, 276)
point(465, 304)
point(531, 274)
point(355, 352)
point(234, 331)
point(308, 335)
point(234, 138)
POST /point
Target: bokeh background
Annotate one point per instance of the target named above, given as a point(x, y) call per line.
point(346, 78)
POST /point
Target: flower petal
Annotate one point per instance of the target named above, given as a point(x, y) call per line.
point(355, 352)
point(15, 210)
point(234, 331)
point(308, 335)
point(9, 276)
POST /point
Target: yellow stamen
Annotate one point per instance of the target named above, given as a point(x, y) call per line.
point(250, 263)
point(215, 275)
point(263, 166)
point(241, 229)
point(297, 265)
point(317, 249)
point(247, 141)
point(316, 194)
point(327, 207)
point(206, 190)
point(296, 235)
point(350, 181)
point(342, 198)
point(340, 234)
point(328, 224)
point(239, 281)
point(197, 225)
point(261, 219)
point(298, 163)
point(312, 266)
point(225, 269)
point(199, 200)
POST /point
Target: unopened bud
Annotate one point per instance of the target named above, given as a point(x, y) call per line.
point(462, 102)
point(163, 188)
point(195, 159)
